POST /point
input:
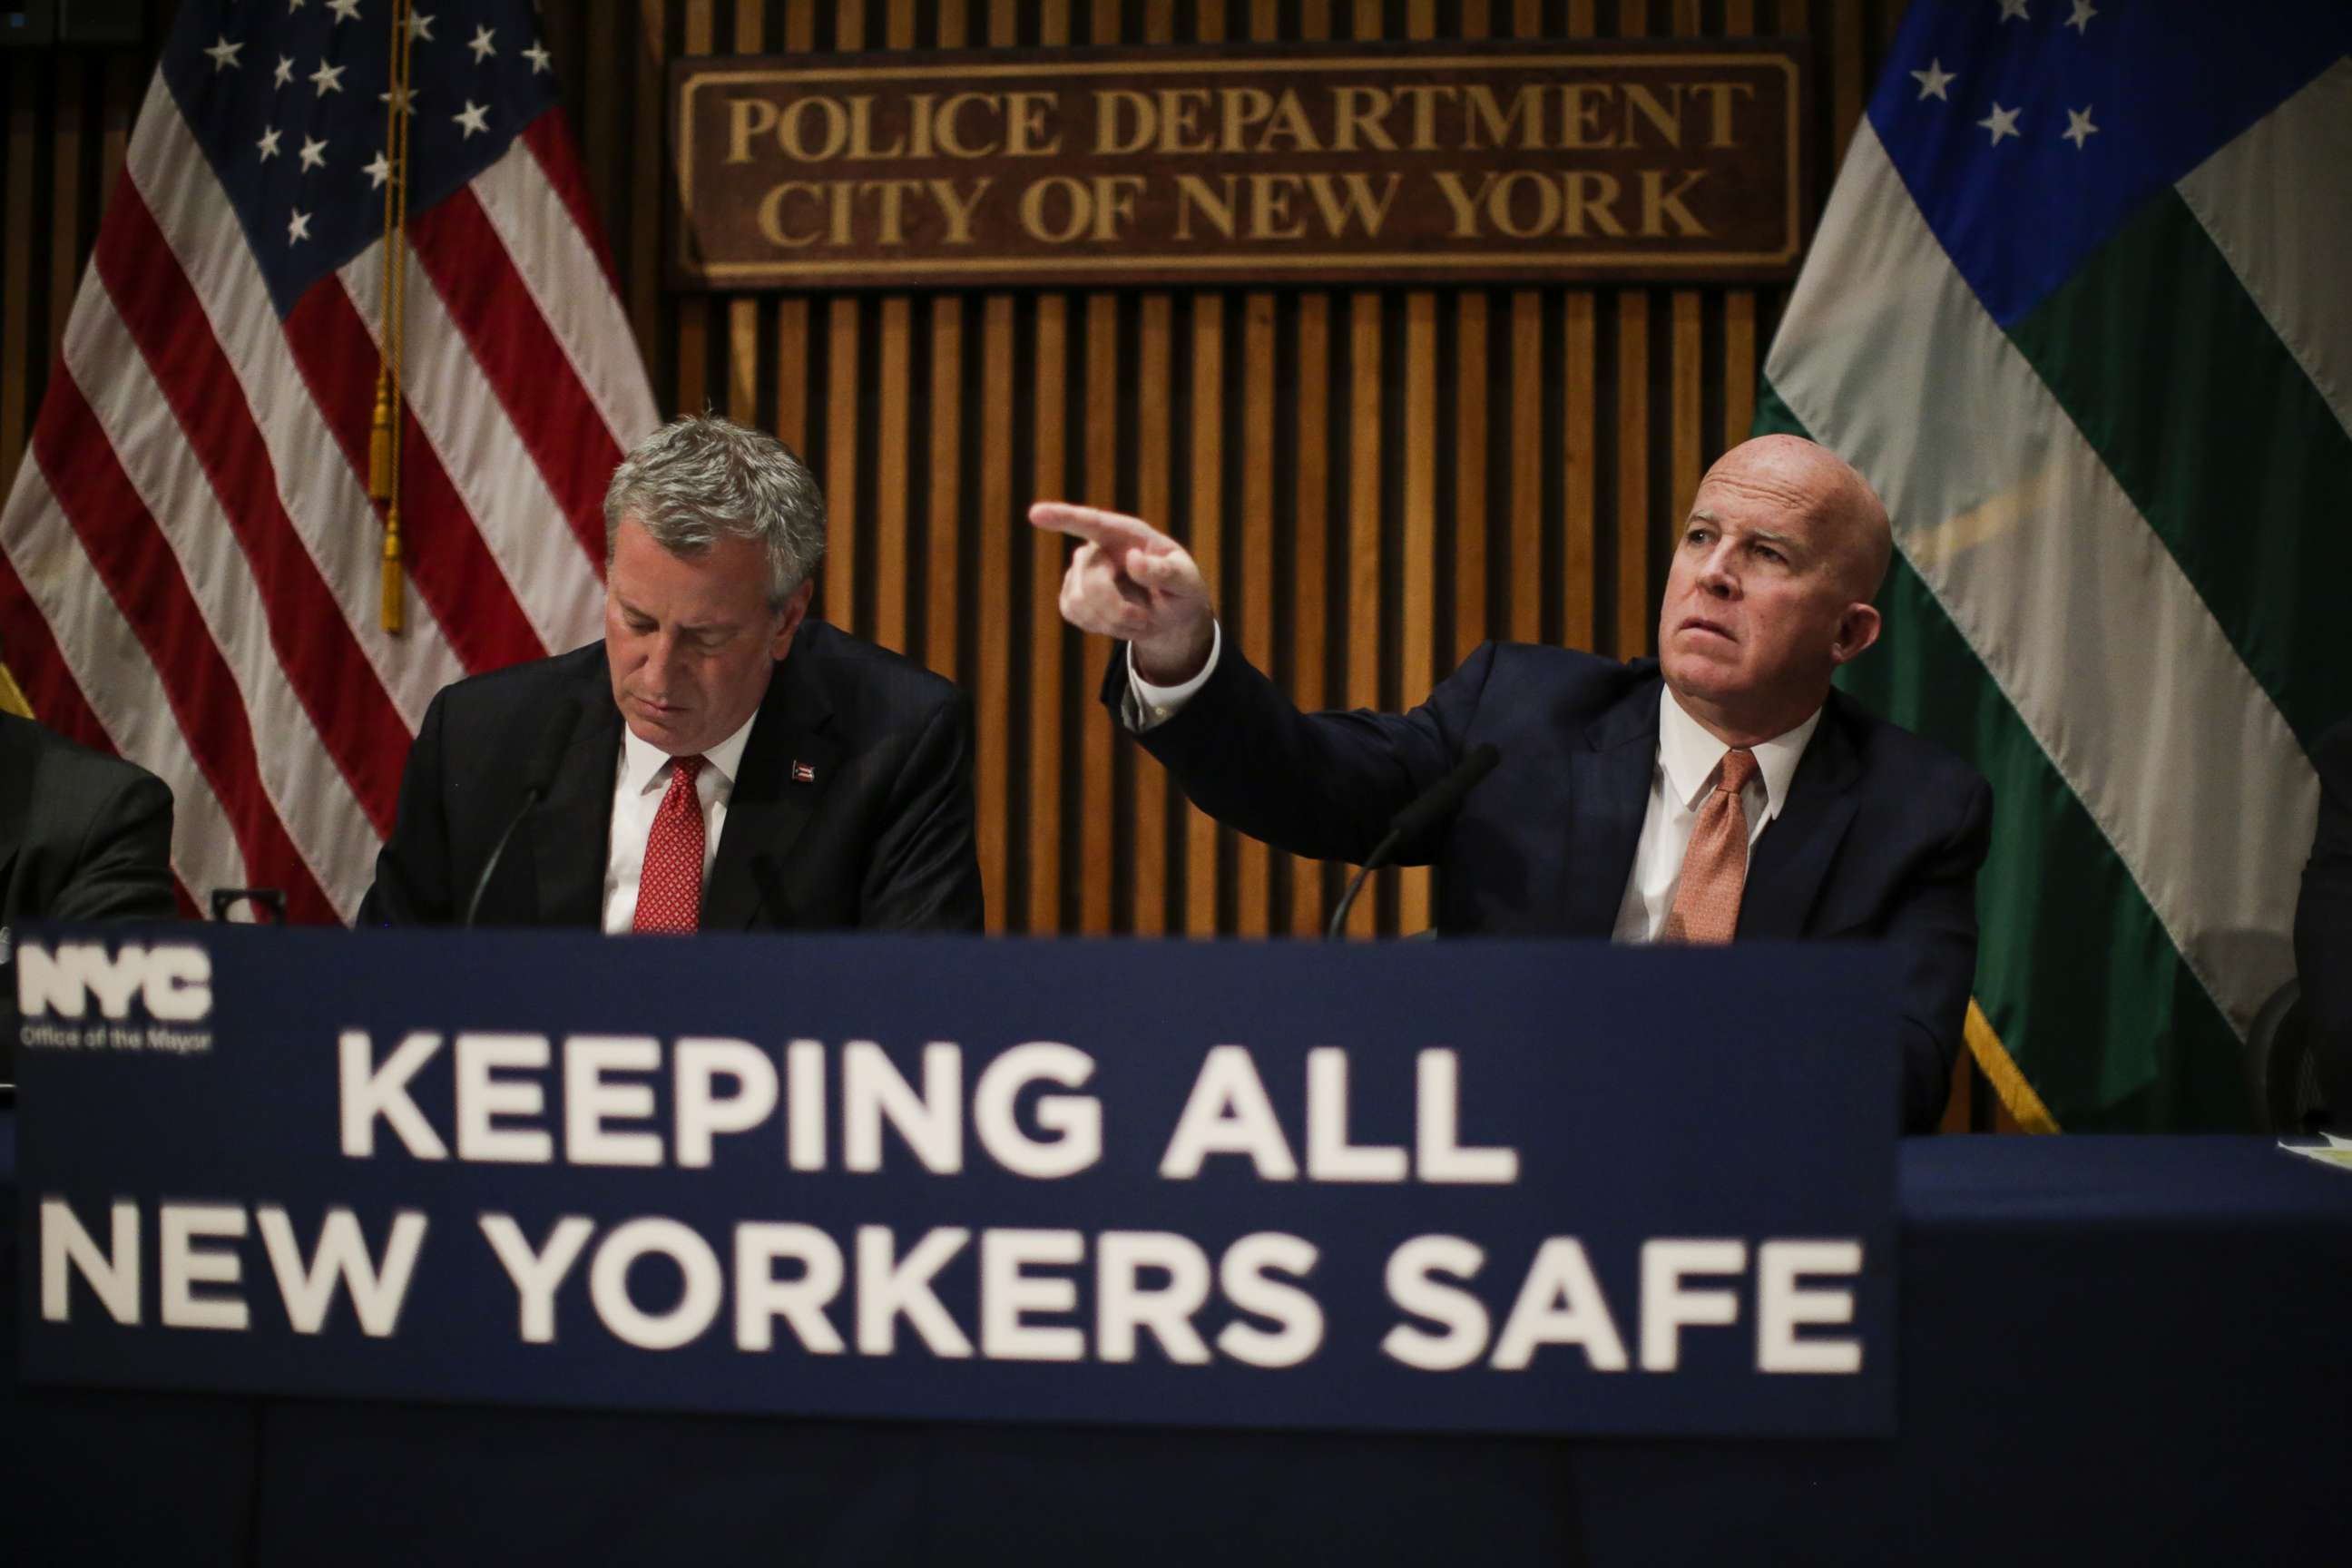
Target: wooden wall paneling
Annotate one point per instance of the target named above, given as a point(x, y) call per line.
point(1204, 537)
point(1739, 304)
point(848, 25)
point(953, 25)
point(649, 186)
point(743, 310)
point(800, 25)
point(1579, 440)
point(126, 84)
point(1362, 677)
point(1310, 407)
point(1049, 479)
point(792, 373)
point(1417, 627)
point(1688, 442)
point(838, 463)
point(1472, 521)
point(943, 531)
point(1160, 21)
point(1253, 864)
point(1633, 471)
point(1004, 23)
point(899, 25)
point(19, 373)
point(1096, 824)
point(893, 472)
point(65, 197)
point(1848, 37)
point(1154, 501)
point(691, 331)
point(1000, 560)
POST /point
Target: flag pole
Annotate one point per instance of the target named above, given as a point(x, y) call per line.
point(384, 441)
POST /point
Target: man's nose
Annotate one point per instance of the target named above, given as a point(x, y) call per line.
point(1716, 575)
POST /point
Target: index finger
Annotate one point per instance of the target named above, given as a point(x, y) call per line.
point(1111, 530)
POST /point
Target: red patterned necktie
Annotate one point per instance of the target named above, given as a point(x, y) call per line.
point(1715, 867)
point(669, 889)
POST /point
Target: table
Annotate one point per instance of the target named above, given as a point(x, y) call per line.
point(2113, 1349)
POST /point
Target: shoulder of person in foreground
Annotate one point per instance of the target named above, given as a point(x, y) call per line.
point(91, 833)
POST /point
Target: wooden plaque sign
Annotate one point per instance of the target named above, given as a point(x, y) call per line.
point(1624, 159)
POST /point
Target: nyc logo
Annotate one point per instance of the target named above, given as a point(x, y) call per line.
point(172, 980)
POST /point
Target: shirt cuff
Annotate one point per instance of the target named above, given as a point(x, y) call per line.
point(1155, 705)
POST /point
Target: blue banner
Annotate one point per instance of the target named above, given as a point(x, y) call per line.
point(1502, 1187)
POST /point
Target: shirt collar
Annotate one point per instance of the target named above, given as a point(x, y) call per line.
point(644, 764)
point(1690, 755)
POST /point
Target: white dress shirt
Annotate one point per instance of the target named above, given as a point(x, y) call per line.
point(639, 781)
point(1688, 761)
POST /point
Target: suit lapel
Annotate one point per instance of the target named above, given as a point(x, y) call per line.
point(790, 760)
point(1609, 793)
point(1793, 854)
point(571, 833)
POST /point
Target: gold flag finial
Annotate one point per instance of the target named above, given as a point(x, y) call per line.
point(384, 435)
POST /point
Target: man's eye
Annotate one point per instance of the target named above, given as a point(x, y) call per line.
point(1769, 554)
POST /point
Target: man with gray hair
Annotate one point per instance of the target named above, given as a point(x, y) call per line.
point(719, 762)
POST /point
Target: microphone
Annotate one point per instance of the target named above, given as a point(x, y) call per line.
point(538, 778)
point(1440, 801)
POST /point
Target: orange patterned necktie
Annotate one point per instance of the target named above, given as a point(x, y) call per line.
point(1715, 867)
point(669, 888)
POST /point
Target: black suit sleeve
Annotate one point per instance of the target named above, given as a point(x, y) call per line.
point(1324, 785)
point(123, 868)
point(2323, 927)
point(1934, 925)
point(924, 873)
point(411, 870)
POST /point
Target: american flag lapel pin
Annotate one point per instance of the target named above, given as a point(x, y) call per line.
point(802, 772)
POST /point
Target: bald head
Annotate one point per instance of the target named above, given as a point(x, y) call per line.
point(1849, 521)
point(1770, 588)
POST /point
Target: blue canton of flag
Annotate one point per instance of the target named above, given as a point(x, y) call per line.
point(2032, 129)
point(291, 101)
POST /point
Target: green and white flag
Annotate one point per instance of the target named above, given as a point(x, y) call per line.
point(2080, 308)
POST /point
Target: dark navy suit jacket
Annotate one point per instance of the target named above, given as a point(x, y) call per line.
point(2323, 926)
point(852, 807)
point(1880, 837)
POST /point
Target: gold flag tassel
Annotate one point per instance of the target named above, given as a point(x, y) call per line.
point(383, 437)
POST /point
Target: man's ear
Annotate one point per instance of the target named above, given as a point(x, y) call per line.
point(1857, 629)
point(795, 610)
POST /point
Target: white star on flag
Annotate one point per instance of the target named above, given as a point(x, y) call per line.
point(1934, 81)
point(344, 10)
point(2079, 128)
point(327, 78)
point(406, 104)
point(293, 5)
point(299, 229)
point(473, 119)
point(2013, 8)
point(224, 54)
point(284, 73)
point(420, 25)
point(378, 172)
point(2080, 20)
point(537, 56)
point(314, 153)
point(269, 143)
point(2000, 122)
point(482, 44)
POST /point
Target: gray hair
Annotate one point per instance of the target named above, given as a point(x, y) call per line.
point(700, 479)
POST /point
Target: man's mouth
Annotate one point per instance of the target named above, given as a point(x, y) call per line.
point(1701, 624)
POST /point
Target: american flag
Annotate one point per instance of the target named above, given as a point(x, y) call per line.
point(190, 565)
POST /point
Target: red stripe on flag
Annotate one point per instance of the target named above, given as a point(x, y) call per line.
point(139, 571)
point(444, 552)
point(357, 722)
point(33, 657)
point(551, 142)
point(533, 377)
